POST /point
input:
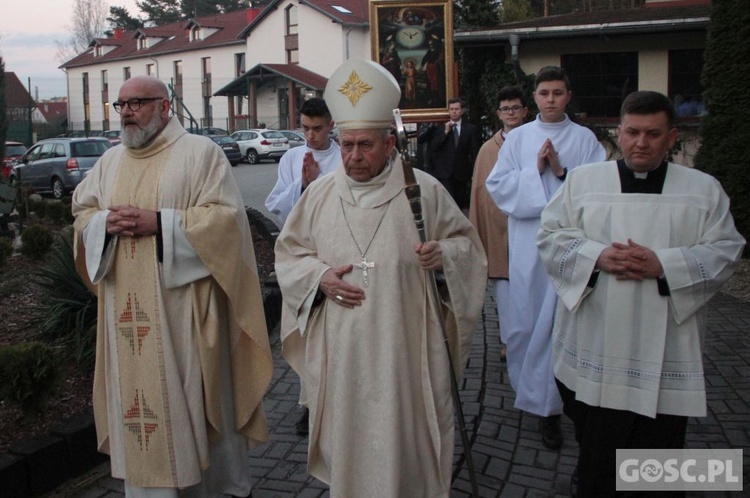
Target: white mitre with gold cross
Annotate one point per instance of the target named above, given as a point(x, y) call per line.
point(361, 94)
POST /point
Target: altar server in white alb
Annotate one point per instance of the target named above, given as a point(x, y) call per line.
point(301, 166)
point(531, 166)
point(359, 325)
point(636, 248)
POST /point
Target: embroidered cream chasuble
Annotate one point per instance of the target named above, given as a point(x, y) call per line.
point(181, 367)
point(375, 377)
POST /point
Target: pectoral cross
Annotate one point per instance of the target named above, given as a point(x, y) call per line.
point(364, 266)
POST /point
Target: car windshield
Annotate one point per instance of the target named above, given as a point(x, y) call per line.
point(93, 148)
point(272, 134)
point(15, 150)
point(223, 140)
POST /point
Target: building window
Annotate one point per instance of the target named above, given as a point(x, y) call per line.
point(142, 43)
point(239, 64)
point(206, 89)
point(291, 39)
point(600, 82)
point(291, 20)
point(195, 34)
point(150, 70)
point(178, 109)
point(126, 73)
point(685, 68)
point(86, 104)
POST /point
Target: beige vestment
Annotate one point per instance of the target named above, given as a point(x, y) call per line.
point(199, 335)
point(376, 377)
point(490, 222)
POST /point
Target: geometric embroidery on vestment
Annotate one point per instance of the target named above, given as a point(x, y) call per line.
point(129, 324)
point(141, 420)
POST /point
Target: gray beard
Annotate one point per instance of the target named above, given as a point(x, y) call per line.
point(141, 136)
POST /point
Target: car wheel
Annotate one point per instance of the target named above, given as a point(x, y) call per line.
point(234, 163)
point(252, 156)
point(58, 189)
point(277, 159)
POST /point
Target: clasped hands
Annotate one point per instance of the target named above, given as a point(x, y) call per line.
point(131, 221)
point(429, 255)
point(547, 158)
point(310, 169)
point(630, 261)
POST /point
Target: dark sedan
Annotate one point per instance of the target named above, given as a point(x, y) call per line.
point(230, 147)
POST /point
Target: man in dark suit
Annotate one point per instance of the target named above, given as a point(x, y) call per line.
point(453, 153)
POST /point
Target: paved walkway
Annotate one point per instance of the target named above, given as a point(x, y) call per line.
point(506, 445)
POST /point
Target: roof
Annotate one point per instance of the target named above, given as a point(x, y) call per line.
point(345, 12)
point(16, 94)
point(53, 112)
point(174, 36)
point(650, 18)
point(265, 73)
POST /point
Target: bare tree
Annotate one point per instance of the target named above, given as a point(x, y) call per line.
point(89, 19)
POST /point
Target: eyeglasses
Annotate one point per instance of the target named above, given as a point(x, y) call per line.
point(514, 108)
point(133, 104)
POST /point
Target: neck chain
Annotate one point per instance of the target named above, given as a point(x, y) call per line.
point(364, 265)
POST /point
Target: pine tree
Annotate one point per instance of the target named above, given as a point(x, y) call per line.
point(725, 130)
point(475, 14)
point(159, 12)
point(119, 17)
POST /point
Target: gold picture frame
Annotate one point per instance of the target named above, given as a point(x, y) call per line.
point(414, 42)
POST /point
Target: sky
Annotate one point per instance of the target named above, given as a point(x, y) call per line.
point(29, 30)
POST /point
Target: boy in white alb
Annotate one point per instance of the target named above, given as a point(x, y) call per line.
point(302, 165)
point(531, 166)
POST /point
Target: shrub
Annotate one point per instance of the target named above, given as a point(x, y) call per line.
point(36, 241)
point(68, 312)
point(38, 207)
point(6, 250)
point(59, 212)
point(29, 373)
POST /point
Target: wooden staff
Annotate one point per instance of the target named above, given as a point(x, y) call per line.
point(414, 194)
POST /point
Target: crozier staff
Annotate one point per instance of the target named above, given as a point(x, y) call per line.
point(358, 324)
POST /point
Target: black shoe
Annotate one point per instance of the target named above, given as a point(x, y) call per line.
point(302, 426)
point(574, 483)
point(552, 432)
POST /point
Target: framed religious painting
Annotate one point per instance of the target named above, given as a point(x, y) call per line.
point(414, 42)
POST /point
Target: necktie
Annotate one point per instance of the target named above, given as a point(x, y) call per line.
point(455, 134)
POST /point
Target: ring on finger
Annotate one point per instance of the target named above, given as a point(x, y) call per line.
point(339, 298)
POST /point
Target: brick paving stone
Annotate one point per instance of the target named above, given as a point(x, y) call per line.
point(508, 454)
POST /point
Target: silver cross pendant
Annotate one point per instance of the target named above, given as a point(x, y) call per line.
point(364, 266)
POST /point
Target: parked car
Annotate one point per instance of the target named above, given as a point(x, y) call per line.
point(113, 136)
point(13, 152)
point(208, 131)
point(261, 144)
point(230, 147)
point(57, 165)
point(296, 138)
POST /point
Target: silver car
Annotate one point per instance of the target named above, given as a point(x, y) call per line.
point(296, 138)
point(57, 165)
point(261, 144)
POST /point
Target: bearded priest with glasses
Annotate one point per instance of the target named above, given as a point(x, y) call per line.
point(183, 358)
